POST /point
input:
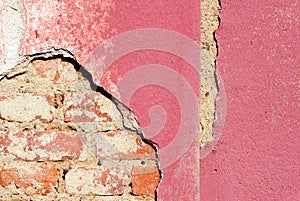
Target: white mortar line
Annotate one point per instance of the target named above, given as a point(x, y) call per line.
point(13, 28)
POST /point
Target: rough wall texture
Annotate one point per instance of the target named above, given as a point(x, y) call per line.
point(209, 23)
point(257, 155)
point(64, 138)
point(81, 26)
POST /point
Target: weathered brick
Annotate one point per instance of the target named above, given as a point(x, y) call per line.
point(74, 104)
point(41, 145)
point(145, 180)
point(78, 107)
point(90, 107)
point(26, 107)
point(29, 180)
point(95, 181)
point(4, 142)
point(122, 145)
point(55, 70)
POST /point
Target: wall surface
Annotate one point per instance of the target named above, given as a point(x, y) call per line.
point(257, 155)
point(85, 29)
point(63, 138)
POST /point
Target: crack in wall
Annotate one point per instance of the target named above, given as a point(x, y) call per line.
point(210, 21)
point(14, 25)
point(209, 89)
point(128, 118)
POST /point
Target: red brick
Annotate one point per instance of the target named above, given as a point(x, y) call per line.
point(41, 145)
point(79, 107)
point(145, 180)
point(90, 107)
point(4, 142)
point(27, 107)
point(95, 181)
point(55, 70)
point(122, 145)
point(30, 180)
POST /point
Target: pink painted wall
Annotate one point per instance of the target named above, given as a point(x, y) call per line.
point(82, 26)
point(257, 156)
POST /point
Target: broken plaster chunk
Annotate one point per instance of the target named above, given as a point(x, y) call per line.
point(210, 21)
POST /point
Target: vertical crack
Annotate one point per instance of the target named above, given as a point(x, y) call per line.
point(210, 21)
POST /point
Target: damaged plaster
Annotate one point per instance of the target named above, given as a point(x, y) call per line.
point(209, 87)
point(13, 25)
point(72, 107)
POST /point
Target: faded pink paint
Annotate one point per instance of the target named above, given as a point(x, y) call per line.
point(77, 26)
point(82, 26)
point(257, 157)
point(180, 179)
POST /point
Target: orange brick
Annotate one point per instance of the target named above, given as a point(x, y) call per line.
point(145, 180)
point(32, 180)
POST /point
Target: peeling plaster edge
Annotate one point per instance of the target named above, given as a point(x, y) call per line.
point(216, 74)
point(13, 21)
point(211, 80)
point(20, 66)
point(129, 119)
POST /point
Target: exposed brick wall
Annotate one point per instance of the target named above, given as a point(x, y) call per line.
point(64, 139)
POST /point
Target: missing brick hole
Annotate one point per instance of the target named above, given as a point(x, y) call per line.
point(99, 163)
point(70, 128)
point(64, 174)
point(59, 100)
